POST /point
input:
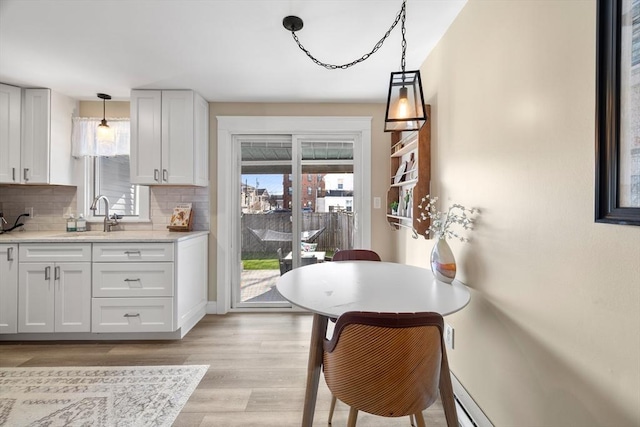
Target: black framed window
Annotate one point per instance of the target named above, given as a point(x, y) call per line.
point(618, 112)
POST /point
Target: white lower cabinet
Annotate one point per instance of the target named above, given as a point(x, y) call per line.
point(8, 289)
point(102, 288)
point(133, 287)
point(54, 295)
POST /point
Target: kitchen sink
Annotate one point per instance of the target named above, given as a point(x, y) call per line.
point(86, 234)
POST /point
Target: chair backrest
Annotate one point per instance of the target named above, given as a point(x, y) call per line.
point(356, 255)
point(386, 364)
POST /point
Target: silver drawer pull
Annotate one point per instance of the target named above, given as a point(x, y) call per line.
point(13, 174)
point(25, 172)
point(56, 273)
point(9, 254)
point(47, 273)
point(132, 252)
point(132, 315)
point(131, 280)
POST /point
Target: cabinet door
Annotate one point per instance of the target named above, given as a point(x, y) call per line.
point(8, 289)
point(178, 160)
point(201, 141)
point(35, 297)
point(36, 136)
point(72, 297)
point(146, 139)
point(10, 105)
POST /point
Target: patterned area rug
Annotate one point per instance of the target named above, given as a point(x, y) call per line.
point(96, 396)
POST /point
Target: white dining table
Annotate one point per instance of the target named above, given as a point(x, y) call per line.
point(332, 288)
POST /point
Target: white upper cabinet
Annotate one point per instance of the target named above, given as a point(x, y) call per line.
point(169, 138)
point(10, 107)
point(35, 145)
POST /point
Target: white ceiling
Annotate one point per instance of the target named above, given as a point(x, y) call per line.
point(227, 50)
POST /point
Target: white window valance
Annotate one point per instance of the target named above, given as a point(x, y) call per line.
point(84, 140)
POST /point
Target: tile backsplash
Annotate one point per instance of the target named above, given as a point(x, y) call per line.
point(51, 203)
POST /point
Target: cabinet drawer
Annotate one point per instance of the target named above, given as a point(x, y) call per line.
point(132, 252)
point(55, 252)
point(133, 279)
point(132, 315)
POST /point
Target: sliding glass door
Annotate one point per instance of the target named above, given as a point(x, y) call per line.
point(296, 207)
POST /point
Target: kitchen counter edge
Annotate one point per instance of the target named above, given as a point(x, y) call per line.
point(95, 237)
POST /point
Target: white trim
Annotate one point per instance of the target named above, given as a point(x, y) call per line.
point(469, 413)
point(230, 126)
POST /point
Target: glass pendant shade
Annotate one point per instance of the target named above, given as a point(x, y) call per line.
point(405, 104)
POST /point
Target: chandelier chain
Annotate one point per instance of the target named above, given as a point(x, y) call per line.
point(399, 17)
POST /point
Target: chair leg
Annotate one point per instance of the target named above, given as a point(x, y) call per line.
point(353, 416)
point(332, 408)
point(412, 420)
point(420, 419)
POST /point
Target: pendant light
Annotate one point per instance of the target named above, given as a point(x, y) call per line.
point(405, 101)
point(105, 136)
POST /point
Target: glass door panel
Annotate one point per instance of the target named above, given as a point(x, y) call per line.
point(266, 227)
point(291, 186)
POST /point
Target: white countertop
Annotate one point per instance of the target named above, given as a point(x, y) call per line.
point(97, 236)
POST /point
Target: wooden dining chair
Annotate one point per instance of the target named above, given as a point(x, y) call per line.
point(356, 255)
point(388, 364)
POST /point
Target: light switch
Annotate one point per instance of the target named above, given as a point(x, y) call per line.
point(376, 203)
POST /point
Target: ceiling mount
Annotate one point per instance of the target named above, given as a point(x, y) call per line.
point(104, 96)
point(292, 23)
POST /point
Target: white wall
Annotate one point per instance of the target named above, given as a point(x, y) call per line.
point(551, 336)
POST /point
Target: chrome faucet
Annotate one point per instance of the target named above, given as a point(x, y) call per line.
point(108, 222)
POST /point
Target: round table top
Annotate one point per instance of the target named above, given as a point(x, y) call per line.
point(333, 288)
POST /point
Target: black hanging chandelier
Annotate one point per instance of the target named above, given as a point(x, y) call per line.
point(405, 102)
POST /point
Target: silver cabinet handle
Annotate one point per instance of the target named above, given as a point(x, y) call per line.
point(156, 175)
point(165, 175)
point(13, 174)
point(9, 254)
point(26, 178)
point(132, 252)
point(132, 315)
point(47, 273)
point(56, 274)
point(131, 280)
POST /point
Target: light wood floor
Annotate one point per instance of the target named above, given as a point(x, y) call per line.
point(256, 377)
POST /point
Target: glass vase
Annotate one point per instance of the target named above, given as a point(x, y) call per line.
point(443, 264)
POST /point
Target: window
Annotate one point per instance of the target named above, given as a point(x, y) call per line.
point(309, 190)
point(110, 178)
point(106, 172)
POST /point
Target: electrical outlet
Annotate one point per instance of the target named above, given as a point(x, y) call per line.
point(448, 335)
point(376, 203)
point(30, 211)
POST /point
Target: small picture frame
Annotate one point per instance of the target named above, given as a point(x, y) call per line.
point(182, 218)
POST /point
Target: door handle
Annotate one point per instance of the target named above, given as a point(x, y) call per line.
point(9, 254)
point(26, 170)
point(165, 175)
point(156, 175)
point(47, 273)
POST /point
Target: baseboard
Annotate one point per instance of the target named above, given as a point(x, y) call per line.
point(212, 307)
point(469, 413)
